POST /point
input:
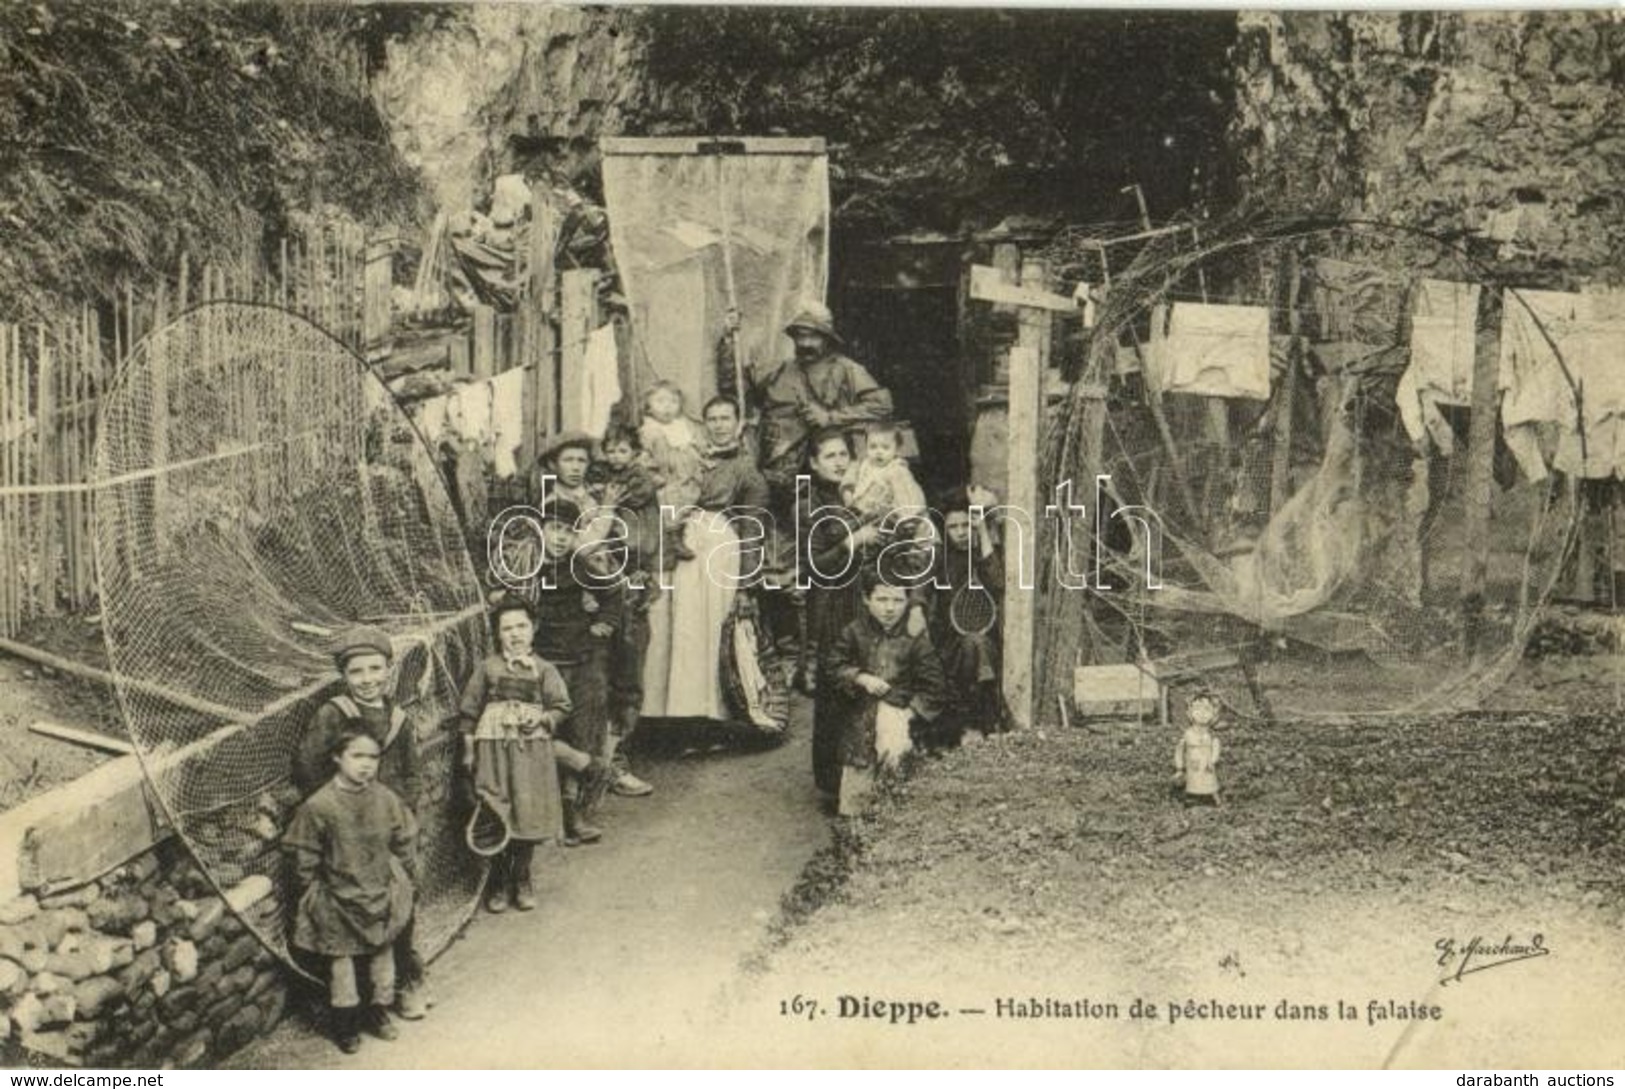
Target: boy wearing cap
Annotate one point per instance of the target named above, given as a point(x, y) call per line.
point(577, 614)
point(363, 656)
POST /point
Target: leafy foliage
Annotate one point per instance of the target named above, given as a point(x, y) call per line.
point(946, 116)
point(131, 132)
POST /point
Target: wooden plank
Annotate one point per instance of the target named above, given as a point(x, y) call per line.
point(74, 735)
point(45, 453)
point(1285, 409)
point(1029, 370)
point(1480, 483)
point(691, 145)
point(988, 284)
point(578, 301)
point(158, 384)
point(485, 363)
point(538, 303)
point(8, 556)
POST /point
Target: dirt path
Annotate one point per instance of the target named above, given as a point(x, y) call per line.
point(638, 940)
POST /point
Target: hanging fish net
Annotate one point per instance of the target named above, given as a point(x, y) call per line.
point(256, 490)
point(697, 231)
point(1305, 502)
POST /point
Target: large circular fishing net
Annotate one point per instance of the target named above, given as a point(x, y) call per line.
point(1317, 549)
point(256, 490)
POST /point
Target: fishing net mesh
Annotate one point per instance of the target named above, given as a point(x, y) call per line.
point(696, 233)
point(256, 490)
point(1338, 567)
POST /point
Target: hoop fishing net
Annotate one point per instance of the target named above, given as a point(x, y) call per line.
point(694, 233)
point(257, 490)
point(1272, 393)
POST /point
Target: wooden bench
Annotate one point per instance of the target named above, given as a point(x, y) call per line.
point(1132, 688)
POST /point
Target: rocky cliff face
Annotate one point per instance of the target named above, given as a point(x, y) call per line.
point(456, 94)
point(1511, 124)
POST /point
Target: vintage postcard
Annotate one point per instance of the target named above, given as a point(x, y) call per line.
point(554, 536)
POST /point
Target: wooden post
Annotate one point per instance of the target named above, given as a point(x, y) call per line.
point(1281, 455)
point(485, 337)
point(1007, 263)
point(578, 300)
point(45, 451)
point(378, 280)
point(538, 302)
point(1480, 481)
point(9, 560)
point(1029, 375)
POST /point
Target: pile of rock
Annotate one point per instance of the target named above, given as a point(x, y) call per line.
point(143, 967)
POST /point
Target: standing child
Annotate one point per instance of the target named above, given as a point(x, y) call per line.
point(513, 705)
point(352, 844)
point(1198, 751)
point(578, 616)
point(363, 656)
point(883, 679)
point(675, 445)
point(880, 482)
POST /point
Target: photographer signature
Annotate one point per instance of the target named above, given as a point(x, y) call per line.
point(1460, 959)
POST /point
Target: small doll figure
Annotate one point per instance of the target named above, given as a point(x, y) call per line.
point(1198, 751)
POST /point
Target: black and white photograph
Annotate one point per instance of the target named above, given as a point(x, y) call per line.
point(542, 536)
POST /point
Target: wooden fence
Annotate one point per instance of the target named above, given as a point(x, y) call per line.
point(53, 374)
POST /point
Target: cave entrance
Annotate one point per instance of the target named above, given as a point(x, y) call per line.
point(899, 304)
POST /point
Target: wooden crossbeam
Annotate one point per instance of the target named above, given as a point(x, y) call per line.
point(987, 284)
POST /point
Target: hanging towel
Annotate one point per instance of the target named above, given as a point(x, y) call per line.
point(1444, 323)
point(1219, 351)
point(1542, 422)
point(508, 421)
point(601, 387)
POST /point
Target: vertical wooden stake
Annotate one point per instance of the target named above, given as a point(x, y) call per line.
point(484, 341)
point(538, 304)
point(45, 453)
point(1029, 375)
point(1480, 483)
point(1285, 409)
point(578, 298)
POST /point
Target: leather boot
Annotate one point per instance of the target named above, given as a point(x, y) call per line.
point(346, 1023)
point(576, 829)
point(524, 894)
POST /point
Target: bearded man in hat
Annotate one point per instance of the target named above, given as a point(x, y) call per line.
point(817, 387)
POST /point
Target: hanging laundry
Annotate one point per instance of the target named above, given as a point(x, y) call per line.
point(1354, 302)
point(1219, 351)
point(1563, 382)
point(507, 421)
point(1444, 327)
point(601, 385)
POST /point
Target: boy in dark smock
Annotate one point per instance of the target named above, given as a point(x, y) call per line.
point(577, 614)
point(877, 674)
point(353, 848)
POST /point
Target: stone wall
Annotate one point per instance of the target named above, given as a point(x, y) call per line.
point(115, 949)
point(1506, 125)
point(143, 967)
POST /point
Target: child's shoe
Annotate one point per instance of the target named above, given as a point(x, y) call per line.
point(412, 1003)
point(524, 897)
point(379, 1024)
point(346, 1031)
point(496, 901)
point(576, 829)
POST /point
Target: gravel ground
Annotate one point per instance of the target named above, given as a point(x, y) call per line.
point(1055, 864)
